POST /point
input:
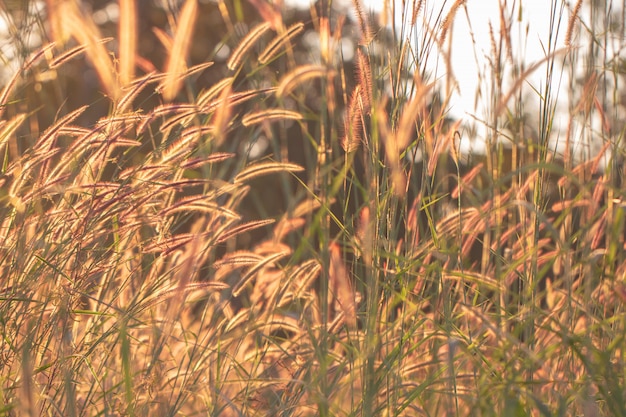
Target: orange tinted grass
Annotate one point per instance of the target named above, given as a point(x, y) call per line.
point(235, 98)
point(74, 131)
point(448, 20)
point(46, 141)
point(179, 150)
point(467, 179)
point(198, 130)
point(84, 30)
point(182, 76)
point(354, 125)
point(120, 120)
point(8, 128)
point(199, 203)
point(164, 295)
point(270, 13)
point(280, 322)
point(300, 75)
point(270, 115)
point(341, 286)
point(165, 39)
point(572, 22)
point(177, 59)
point(51, 186)
point(246, 44)
point(146, 173)
point(13, 81)
point(205, 97)
point(281, 40)
point(166, 246)
point(127, 32)
point(24, 171)
point(265, 168)
point(304, 276)
point(243, 228)
point(222, 116)
point(286, 226)
point(73, 53)
point(441, 146)
point(197, 162)
point(237, 259)
point(183, 112)
point(364, 77)
point(251, 273)
point(183, 119)
point(238, 320)
point(364, 24)
point(181, 184)
point(269, 246)
point(132, 89)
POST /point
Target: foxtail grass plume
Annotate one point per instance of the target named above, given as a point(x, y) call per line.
point(246, 44)
point(127, 31)
point(273, 49)
point(176, 63)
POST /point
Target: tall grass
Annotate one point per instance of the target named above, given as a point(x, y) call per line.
point(278, 230)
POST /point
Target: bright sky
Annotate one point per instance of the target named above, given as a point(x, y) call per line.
point(471, 49)
point(471, 44)
point(532, 31)
point(535, 24)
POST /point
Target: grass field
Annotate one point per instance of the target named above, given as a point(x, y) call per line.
point(232, 209)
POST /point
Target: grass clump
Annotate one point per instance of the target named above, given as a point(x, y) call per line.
point(260, 219)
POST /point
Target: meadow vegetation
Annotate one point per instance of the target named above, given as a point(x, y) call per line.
point(233, 209)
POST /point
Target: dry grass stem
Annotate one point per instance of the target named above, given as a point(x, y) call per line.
point(7, 129)
point(73, 53)
point(243, 228)
point(300, 75)
point(13, 81)
point(505, 33)
point(341, 286)
point(246, 44)
point(235, 99)
point(354, 124)
point(281, 40)
point(265, 168)
point(186, 73)
point(270, 115)
point(207, 96)
point(238, 259)
point(364, 23)
point(572, 22)
point(269, 13)
point(127, 40)
point(47, 140)
point(85, 31)
point(59, 32)
point(416, 9)
point(448, 20)
point(364, 77)
point(501, 107)
point(252, 272)
point(166, 40)
point(177, 60)
point(197, 162)
point(198, 203)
